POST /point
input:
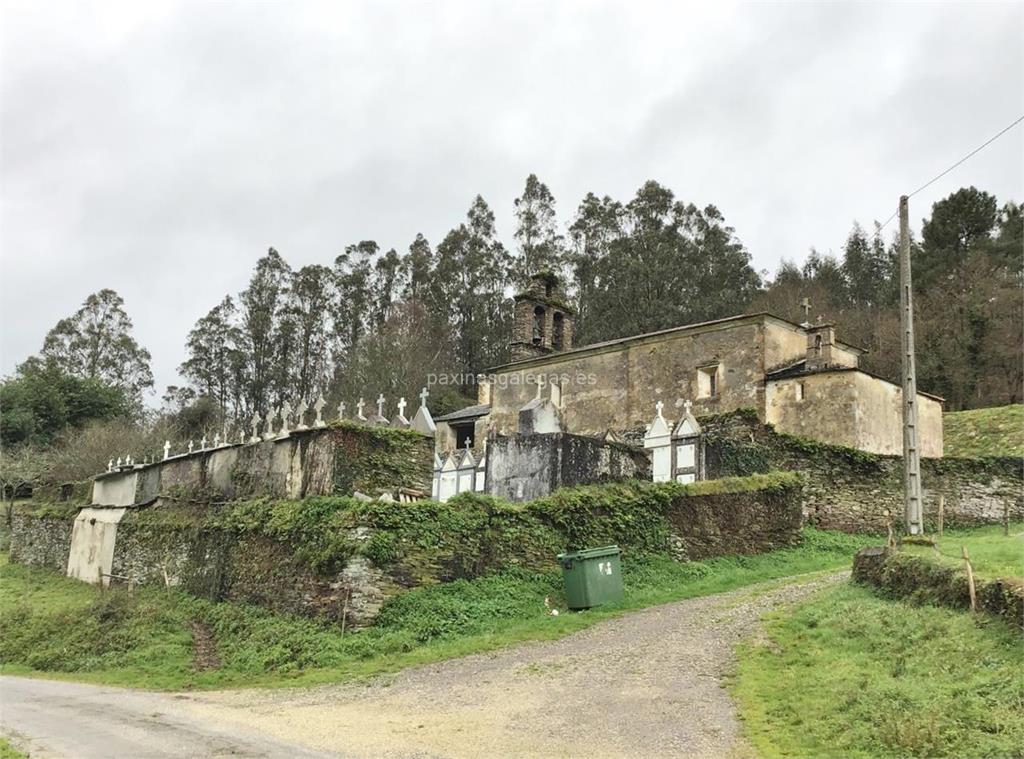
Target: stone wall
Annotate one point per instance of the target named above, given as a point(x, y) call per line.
point(330, 557)
point(41, 540)
point(847, 489)
point(335, 460)
point(524, 467)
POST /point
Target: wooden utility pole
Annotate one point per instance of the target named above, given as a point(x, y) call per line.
point(911, 452)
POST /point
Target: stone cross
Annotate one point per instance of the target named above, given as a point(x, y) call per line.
point(255, 428)
point(190, 446)
point(401, 407)
point(380, 405)
point(167, 449)
point(216, 440)
point(119, 461)
point(318, 407)
point(110, 466)
point(341, 410)
point(271, 416)
point(128, 459)
point(468, 443)
point(805, 306)
point(202, 443)
point(359, 410)
point(286, 412)
point(687, 405)
point(541, 381)
point(659, 406)
point(423, 396)
point(241, 437)
point(300, 415)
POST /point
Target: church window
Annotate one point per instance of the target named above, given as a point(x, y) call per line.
point(817, 345)
point(800, 391)
point(463, 433)
point(557, 339)
point(707, 381)
point(538, 325)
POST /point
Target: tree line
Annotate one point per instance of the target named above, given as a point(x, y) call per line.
point(377, 321)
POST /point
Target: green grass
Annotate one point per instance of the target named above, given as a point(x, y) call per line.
point(997, 431)
point(8, 751)
point(992, 553)
point(849, 674)
point(59, 627)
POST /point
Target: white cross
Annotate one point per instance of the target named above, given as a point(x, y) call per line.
point(423, 396)
point(202, 443)
point(380, 405)
point(805, 306)
point(216, 440)
point(255, 426)
point(190, 445)
point(659, 406)
point(300, 415)
point(401, 407)
point(110, 466)
point(541, 381)
point(128, 459)
point(286, 412)
point(319, 408)
point(359, 409)
point(687, 405)
point(341, 410)
point(119, 461)
point(271, 416)
point(167, 449)
point(468, 443)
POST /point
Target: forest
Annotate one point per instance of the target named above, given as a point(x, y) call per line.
point(374, 321)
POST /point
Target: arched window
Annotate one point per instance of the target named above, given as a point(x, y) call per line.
point(538, 325)
point(817, 345)
point(558, 338)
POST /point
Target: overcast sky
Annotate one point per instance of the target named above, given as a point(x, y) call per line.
point(160, 149)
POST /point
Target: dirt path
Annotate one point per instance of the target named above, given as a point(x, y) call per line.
point(647, 684)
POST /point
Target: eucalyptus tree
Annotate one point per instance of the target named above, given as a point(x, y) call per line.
point(96, 342)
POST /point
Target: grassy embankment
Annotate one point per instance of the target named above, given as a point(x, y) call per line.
point(992, 553)
point(997, 431)
point(59, 627)
point(850, 674)
point(8, 751)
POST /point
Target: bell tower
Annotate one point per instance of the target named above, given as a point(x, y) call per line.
point(543, 322)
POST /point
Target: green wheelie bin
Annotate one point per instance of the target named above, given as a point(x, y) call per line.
point(592, 576)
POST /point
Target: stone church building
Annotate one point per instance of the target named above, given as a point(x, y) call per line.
point(801, 378)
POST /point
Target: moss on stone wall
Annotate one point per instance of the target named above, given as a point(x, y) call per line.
point(851, 490)
point(372, 459)
point(323, 554)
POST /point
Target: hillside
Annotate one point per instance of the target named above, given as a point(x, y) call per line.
point(997, 431)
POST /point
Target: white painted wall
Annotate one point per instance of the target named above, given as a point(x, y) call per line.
point(92, 544)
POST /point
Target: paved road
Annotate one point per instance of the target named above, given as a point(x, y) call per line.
point(49, 718)
point(647, 684)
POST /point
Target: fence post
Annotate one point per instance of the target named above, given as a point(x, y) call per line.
point(942, 512)
point(970, 579)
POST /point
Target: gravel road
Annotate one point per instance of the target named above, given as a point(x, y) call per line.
point(650, 683)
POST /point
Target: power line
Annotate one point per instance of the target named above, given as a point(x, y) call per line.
point(969, 155)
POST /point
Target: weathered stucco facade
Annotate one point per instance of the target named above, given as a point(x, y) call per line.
point(850, 408)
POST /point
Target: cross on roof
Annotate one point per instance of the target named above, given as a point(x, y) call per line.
point(401, 406)
point(805, 306)
point(359, 407)
point(659, 406)
point(423, 396)
point(687, 405)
